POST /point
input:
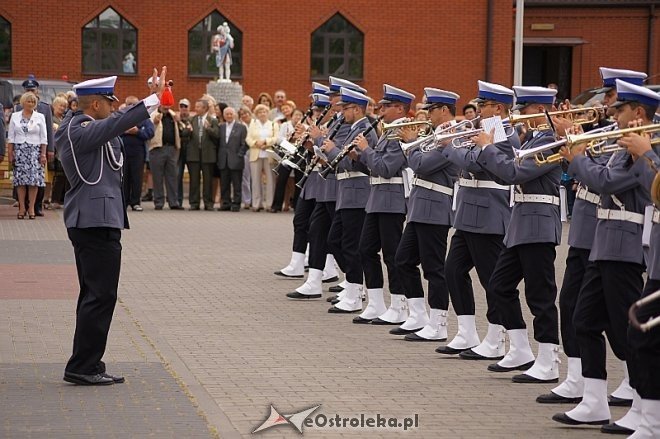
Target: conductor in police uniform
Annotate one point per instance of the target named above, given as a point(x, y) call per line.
point(95, 213)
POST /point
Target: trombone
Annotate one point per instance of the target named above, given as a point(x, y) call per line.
point(598, 143)
point(575, 115)
point(632, 313)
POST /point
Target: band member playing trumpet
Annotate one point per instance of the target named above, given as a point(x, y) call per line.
point(608, 76)
point(580, 240)
point(615, 280)
point(531, 237)
point(429, 218)
point(386, 212)
point(644, 361)
point(352, 194)
point(482, 214)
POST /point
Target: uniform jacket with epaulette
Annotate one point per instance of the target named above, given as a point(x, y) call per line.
point(353, 193)
point(81, 139)
point(530, 222)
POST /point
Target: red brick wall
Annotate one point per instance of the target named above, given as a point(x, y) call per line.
point(615, 37)
point(408, 44)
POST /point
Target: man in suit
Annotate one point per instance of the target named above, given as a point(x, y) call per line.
point(31, 85)
point(614, 281)
point(231, 153)
point(202, 155)
point(95, 214)
point(531, 237)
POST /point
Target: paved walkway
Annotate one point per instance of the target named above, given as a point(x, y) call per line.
point(208, 342)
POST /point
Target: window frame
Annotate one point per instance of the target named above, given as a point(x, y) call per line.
point(4, 21)
point(237, 55)
point(347, 36)
point(99, 32)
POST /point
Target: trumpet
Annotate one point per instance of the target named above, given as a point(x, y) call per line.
point(435, 139)
point(632, 313)
point(591, 115)
point(428, 127)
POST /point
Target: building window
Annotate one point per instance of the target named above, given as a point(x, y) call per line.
point(337, 49)
point(207, 43)
point(109, 45)
point(5, 45)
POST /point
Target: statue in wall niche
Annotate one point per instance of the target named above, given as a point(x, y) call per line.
point(221, 45)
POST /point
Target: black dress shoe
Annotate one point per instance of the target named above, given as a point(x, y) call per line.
point(565, 419)
point(224, 208)
point(332, 279)
point(335, 301)
point(335, 310)
point(88, 380)
point(116, 378)
point(297, 276)
point(297, 296)
point(528, 379)
point(415, 337)
point(614, 428)
point(497, 368)
point(401, 331)
point(176, 207)
point(208, 208)
point(158, 208)
point(235, 208)
point(447, 350)
point(361, 321)
point(332, 299)
point(613, 401)
point(336, 289)
point(38, 213)
point(379, 321)
point(193, 208)
point(471, 355)
point(553, 398)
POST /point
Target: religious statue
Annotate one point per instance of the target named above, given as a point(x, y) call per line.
point(221, 45)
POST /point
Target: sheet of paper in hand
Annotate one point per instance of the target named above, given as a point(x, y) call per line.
point(494, 122)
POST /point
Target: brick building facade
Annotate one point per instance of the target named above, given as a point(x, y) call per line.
point(446, 44)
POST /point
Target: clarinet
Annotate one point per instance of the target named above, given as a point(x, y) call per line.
point(290, 156)
point(346, 149)
point(315, 160)
point(302, 152)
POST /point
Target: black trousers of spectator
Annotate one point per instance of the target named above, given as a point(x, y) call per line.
point(381, 231)
point(133, 171)
point(608, 290)
point(466, 251)
point(230, 187)
point(644, 349)
point(98, 260)
point(206, 171)
point(535, 263)
point(425, 244)
point(301, 218)
point(344, 242)
point(319, 227)
point(577, 262)
point(181, 167)
point(60, 187)
point(280, 187)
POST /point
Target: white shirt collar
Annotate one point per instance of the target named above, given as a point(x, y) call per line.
point(357, 122)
